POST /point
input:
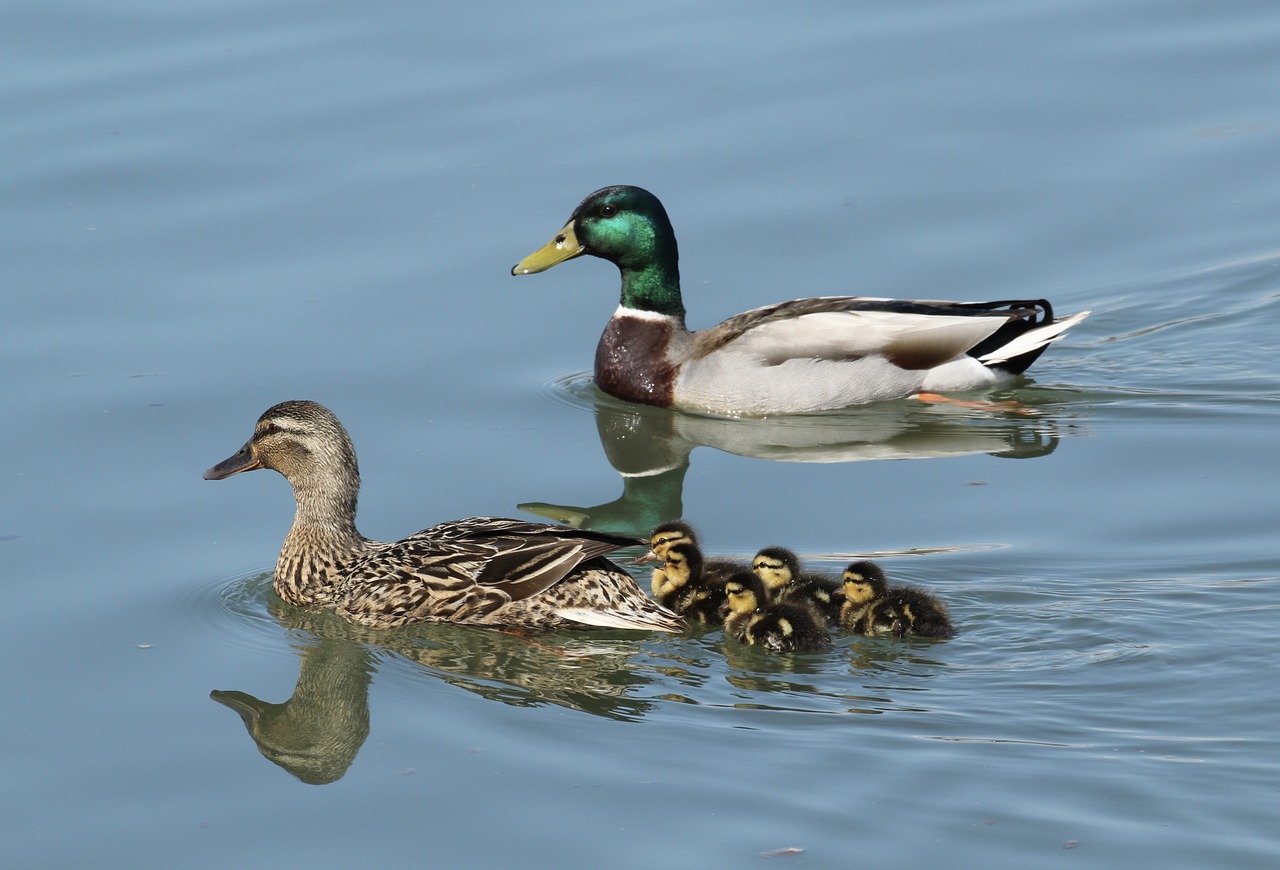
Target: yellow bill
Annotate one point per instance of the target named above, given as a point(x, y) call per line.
point(565, 246)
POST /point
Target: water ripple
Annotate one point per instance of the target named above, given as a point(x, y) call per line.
point(233, 612)
point(576, 390)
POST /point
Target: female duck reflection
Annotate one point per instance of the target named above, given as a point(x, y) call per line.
point(649, 447)
point(317, 732)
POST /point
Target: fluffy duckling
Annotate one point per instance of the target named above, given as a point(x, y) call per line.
point(480, 570)
point(908, 610)
point(779, 627)
point(871, 606)
point(791, 357)
point(681, 584)
point(863, 583)
point(672, 532)
point(779, 569)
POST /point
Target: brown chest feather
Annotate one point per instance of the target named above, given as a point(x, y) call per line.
point(632, 364)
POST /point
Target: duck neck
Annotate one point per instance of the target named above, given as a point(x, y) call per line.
point(652, 282)
point(321, 543)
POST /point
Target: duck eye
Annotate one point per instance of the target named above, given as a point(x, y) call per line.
point(270, 429)
point(608, 211)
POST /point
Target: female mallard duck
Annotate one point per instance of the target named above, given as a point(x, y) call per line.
point(779, 569)
point(792, 357)
point(873, 607)
point(481, 570)
point(780, 627)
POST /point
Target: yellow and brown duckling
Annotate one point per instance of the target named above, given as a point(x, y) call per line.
point(779, 569)
point(686, 583)
point(681, 585)
point(672, 532)
point(908, 611)
point(862, 584)
point(479, 570)
point(871, 606)
point(778, 627)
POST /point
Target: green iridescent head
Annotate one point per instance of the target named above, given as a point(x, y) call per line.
point(628, 227)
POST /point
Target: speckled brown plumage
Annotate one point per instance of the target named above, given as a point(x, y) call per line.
point(480, 570)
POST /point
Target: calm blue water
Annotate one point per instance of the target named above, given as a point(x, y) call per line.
point(213, 208)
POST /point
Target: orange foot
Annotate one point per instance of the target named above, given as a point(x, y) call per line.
point(1004, 407)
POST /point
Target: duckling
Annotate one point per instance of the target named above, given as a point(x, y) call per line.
point(683, 586)
point(779, 627)
point(479, 570)
point(668, 534)
point(907, 610)
point(871, 606)
point(788, 358)
point(863, 583)
point(779, 568)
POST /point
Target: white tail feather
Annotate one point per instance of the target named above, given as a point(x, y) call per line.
point(645, 621)
point(1032, 340)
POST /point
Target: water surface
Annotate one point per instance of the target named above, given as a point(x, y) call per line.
point(216, 208)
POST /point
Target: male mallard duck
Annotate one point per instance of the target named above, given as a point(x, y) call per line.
point(480, 570)
point(779, 568)
point(780, 627)
point(792, 357)
point(873, 607)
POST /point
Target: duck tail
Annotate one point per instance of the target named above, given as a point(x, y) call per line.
point(1018, 344)
point(654, 618)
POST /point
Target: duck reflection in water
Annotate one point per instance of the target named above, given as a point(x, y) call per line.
point(650, 447)
point(317, 732)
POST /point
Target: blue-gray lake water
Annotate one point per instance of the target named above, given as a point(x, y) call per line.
point(209, 208)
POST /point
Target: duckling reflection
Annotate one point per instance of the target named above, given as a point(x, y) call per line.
point(650, 447)
point(316, 734)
